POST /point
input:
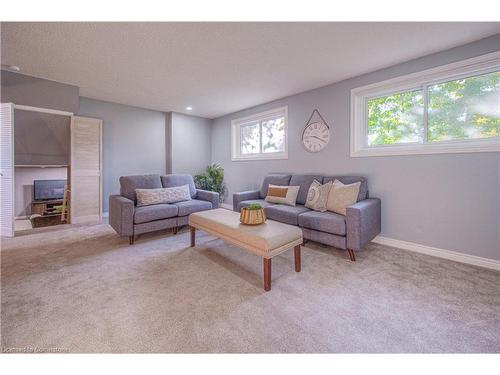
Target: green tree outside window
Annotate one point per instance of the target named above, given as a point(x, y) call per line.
point(460, 109)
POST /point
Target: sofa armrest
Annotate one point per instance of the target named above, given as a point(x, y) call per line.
point(121, 215)
point(244, 196)
point(209, 196)
point(363, 221)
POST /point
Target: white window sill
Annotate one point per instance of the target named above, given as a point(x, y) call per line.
point(451, 147)
point(260, 157)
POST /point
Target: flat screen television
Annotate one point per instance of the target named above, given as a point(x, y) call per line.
point(44, 190)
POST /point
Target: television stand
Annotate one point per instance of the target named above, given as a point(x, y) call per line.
point(45, 207)
point(49, 215)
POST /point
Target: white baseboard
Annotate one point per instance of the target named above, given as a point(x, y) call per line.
point(440, 253)
point(227, 206)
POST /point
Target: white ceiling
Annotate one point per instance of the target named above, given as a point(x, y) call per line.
point(218, 68)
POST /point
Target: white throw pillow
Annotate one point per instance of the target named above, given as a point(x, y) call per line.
point(146, 197)
point(282, 194)
point(318, 195)
point(341, 196)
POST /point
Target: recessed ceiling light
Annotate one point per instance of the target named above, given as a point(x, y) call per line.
point(189, 108)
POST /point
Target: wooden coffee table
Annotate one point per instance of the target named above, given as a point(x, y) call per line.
point(266, 240)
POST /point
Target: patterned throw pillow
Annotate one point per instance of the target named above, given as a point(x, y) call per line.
point(146, 197)
point(282, 194)
point(341, 196)
point(318, 195)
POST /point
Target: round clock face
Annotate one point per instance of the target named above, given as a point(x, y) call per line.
point(316, 136)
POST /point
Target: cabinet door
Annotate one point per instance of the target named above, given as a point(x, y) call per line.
point(85, 170)
point(7, 169)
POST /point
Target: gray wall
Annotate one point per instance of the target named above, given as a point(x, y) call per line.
point(449, 201)
point(191, 143)
point(37, 92)
point(41, 138)
point(134, 141)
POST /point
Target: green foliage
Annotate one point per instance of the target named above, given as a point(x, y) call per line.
point(265, 137)
point(273, 135)
point(465, 108)
point(396, 118)
point(460, 109)
point(212, 180)
point(254, 206)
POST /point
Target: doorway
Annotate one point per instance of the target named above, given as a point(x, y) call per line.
point(50, 168)
point(41, 164)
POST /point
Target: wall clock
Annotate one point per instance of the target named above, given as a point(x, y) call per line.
point(316, 134)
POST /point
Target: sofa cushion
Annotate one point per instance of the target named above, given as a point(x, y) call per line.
point(146, 214)
point(247, 203)
point(304, 181)
point(285, 214)
point(318, 195)
point(328, 222)
point(282, 194)
point(274, 179)
point(173, 180)
point(146, 197)
point(342, 196)
point(347, 180)
point(128, 184)
point(194, 205)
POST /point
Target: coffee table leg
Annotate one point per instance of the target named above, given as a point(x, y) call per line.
point(267, 274)
point(192, 231)
point(296, 251)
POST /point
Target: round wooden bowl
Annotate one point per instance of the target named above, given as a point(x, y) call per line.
point(252, 217)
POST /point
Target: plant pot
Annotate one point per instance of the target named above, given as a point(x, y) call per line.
point(252, 217)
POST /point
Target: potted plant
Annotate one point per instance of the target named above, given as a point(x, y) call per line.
point(212, 180)
point(253, 214)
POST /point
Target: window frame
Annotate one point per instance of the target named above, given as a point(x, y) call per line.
point(359, 147)
point(237, 124)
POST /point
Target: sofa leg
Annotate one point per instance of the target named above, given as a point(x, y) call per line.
point(174, 230)
point(131, 240)
point(351, 255)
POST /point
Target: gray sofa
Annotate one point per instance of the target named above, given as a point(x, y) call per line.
point(351, 232)
point(127, 219)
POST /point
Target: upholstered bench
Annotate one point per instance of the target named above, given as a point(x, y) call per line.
point(265, 240)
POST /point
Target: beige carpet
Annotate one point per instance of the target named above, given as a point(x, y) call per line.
point(85, 289)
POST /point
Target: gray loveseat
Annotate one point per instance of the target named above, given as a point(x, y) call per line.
point(127, 219)
point(351, 232)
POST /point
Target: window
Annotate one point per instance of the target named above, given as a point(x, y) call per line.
point(452, 108)
point(397, 118)
point(260, 136)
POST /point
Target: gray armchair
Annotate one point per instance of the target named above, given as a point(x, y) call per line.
point(127, 219)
